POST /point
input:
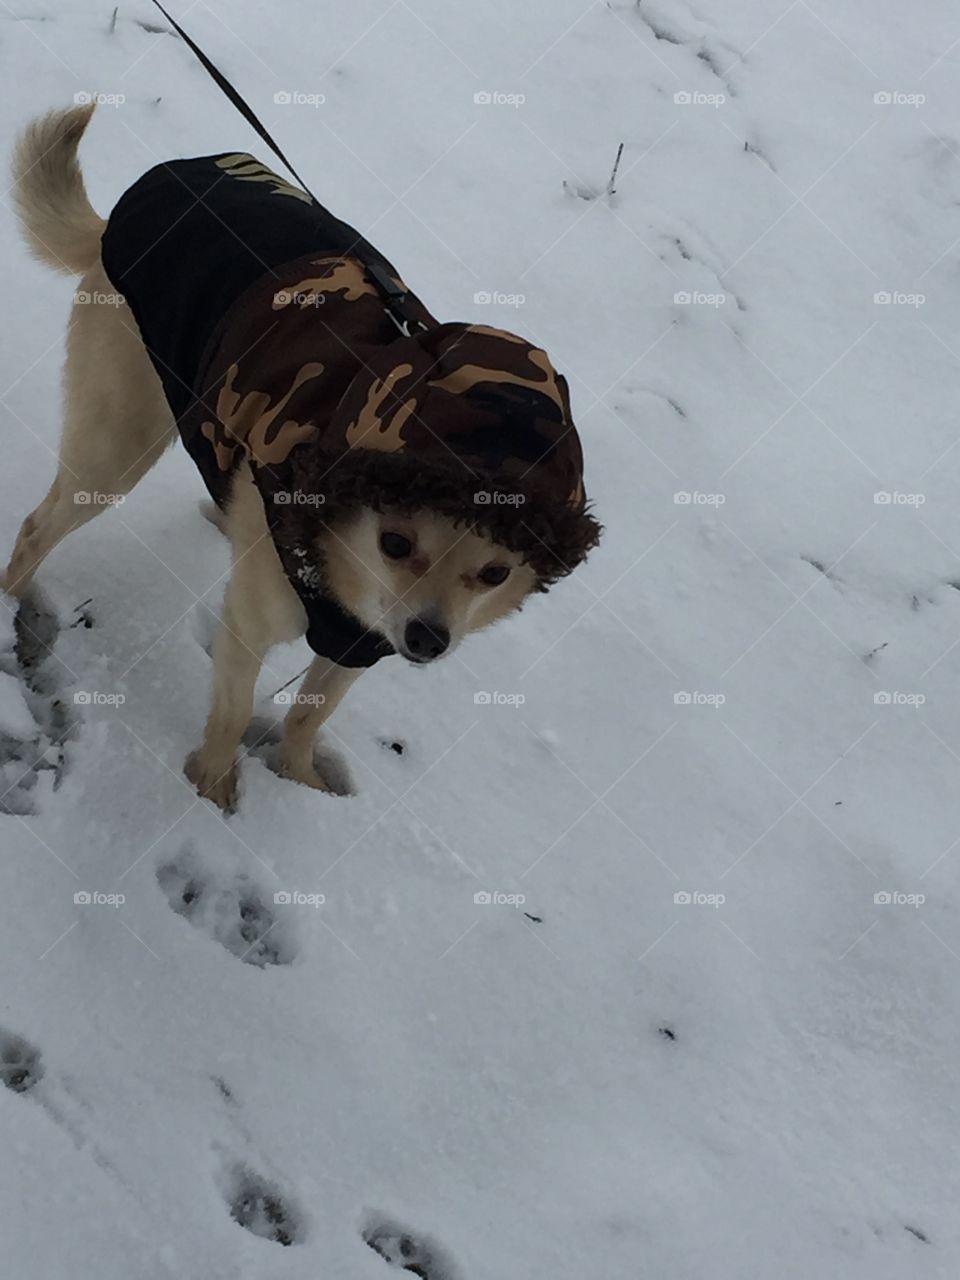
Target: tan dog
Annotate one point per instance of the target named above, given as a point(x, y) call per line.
point(420, 579)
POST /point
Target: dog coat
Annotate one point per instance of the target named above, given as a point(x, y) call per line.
point(275, 348)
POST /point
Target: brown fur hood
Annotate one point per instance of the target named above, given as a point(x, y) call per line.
point(334, 410)
point(469, 421)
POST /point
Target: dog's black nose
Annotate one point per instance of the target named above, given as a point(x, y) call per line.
point(425, 642)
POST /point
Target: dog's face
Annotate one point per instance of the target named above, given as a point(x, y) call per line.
point(421, 581)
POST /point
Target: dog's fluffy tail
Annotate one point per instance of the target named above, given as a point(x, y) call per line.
point(61, 227)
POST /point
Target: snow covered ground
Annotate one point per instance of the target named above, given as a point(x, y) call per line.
point(718, 1038)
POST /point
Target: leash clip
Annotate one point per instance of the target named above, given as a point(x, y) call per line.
point(394, 299)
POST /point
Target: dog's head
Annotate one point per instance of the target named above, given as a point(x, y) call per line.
point(421, 579)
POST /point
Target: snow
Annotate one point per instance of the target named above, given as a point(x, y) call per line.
point(600, 1080)
point(15, 717)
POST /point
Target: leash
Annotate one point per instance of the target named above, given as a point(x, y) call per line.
point(394, 296)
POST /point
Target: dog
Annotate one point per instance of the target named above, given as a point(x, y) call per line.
point(388, 484)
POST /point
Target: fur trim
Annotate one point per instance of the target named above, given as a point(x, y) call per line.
point(552, 538)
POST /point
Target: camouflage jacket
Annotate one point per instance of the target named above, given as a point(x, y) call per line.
point(274, 347)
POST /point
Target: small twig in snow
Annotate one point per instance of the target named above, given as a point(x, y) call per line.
point(611, 188)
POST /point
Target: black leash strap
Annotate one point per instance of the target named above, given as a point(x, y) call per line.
point(394, 297)
point(230, 91)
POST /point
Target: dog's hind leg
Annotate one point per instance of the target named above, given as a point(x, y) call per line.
point(116, 425)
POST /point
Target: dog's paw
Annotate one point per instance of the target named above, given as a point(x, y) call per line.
point(323, 770)
point(20, 1066)
point(34, 722)
point(408, 1252)
point(213, 782)
point(260, 1207)
point(303, 771)
point(229, 909)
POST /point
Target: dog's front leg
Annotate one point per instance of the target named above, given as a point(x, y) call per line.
point(236, 664)
point(321, 692)
point(260, 609)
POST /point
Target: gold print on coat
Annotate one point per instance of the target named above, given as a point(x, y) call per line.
point(248, 169)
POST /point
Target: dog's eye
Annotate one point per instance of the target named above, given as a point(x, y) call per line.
point(493, 575)
point(395, 545)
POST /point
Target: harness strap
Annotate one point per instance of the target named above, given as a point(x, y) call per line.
point(394, 297)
